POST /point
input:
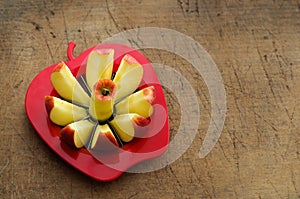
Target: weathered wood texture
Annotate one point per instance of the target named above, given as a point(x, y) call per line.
point(256, 46)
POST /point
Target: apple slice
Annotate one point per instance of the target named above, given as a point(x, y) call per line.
point(104, 139)
point(77, 133)
point(127, 125)
point(128, 77)
point(139, 102)
point(67, 86)
point(62, 112)
point(99, 66)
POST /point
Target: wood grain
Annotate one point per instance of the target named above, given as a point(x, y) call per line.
point(256, 47)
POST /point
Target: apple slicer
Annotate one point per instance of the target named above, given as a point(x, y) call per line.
point(117, 121)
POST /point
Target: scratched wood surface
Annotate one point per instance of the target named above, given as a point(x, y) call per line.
point(256, 46)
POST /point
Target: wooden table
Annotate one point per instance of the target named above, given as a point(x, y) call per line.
point(256, 47)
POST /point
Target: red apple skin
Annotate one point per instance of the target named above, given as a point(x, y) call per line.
point(141, 121)
point(49, 103)
point(104, 51)
point(130, 60)
point(140, 124)
point(149, 94)
point(58, 67)
point(67, 136)
point(106, 142)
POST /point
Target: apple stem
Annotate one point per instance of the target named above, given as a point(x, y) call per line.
point(105, 91)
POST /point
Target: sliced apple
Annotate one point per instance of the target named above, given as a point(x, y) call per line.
point(99, 66)
point(77, 133)
point(62, 112)
point(128, 77)
point(139, 102)
point(127, 125)
point(102, 99)
point(67, 86)
point(104, 138)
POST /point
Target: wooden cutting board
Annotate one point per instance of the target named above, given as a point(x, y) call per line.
point(256, 47)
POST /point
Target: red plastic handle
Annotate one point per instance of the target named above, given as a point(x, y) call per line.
point(70, 50)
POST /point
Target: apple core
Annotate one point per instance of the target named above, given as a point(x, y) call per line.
point(102, 100)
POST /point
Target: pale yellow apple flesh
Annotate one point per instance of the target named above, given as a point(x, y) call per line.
point(99, 66)
point(139, 102)
point(67, 86)
point(62, 112)
point(102, 99)
point(128, 77)
point(104, 138)
point(77, 133)
point(132, 111)
point(126, 125)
